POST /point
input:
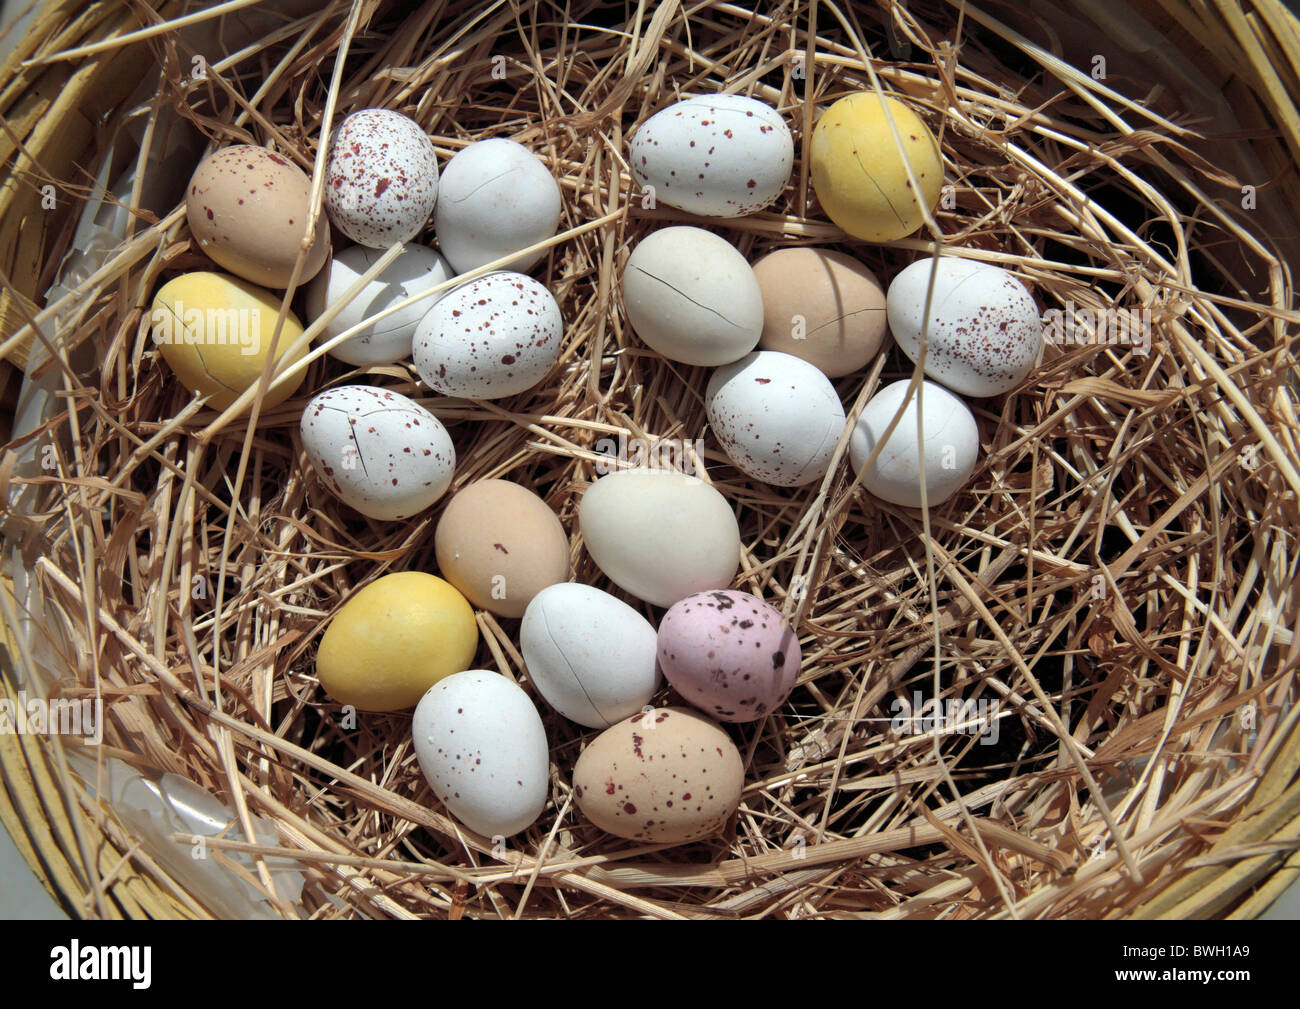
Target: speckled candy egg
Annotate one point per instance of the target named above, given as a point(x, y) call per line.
point(858, 174)
point(951, 445)
point(500, 544)
point(659, 534)
point(691, 296)
point(823, 306)
point(720, 155)
point(666, 776)
point(378, 451)
point(492, 337)
point(395, 638)
point(482, 748)
point(215, 333)
point(591, 655)
point(388, 341)
point(248, 209)
point(381, 180)
point(984, 333)
point(777, 416)
point(497, 197)
point(729, 653)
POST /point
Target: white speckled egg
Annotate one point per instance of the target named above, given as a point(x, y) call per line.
point(729, 653)
point(659, 534)
point(951, 445)
point(491, 337)
point(482, 747)
point(691, 296)
point(378, 451)
point(984, 334)
point(778, 417)
point(497, 197)
point(381, 180)
point(591, 655)
point(388, 341)
point(720, 156)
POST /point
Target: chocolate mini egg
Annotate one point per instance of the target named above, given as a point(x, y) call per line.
point(857, 171)
point(482, 748)
point(381, 180)
point(388, 341)
point(719, 155)
point(394, 639)
point(248, 209)
point(777, 416)
point(492, 337)
point(822, 306)
point(378, 451)
point(951, 445)
point(591, 655)
point(984, 334)
point(729, 653)
point(691, 296)
point(215, 333)
point(664, 776)
point(659, 534)
point(500, 544)
point(497, 198)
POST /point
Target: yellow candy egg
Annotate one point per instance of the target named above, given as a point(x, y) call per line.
point(394, 639)
point(215, 332)
point(858, 174)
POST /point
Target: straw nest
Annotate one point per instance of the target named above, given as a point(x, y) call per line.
point(1118, 575)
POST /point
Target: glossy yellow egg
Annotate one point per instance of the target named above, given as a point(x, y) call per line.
point(394, 639)
point(859, 175)
point(215, 332)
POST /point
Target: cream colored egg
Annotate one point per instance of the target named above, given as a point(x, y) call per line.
point(215, 332)
point(664, 776)
point(500, 544)
point(248, 209)
point(394, 639)
point(859, 175)
point(823, 306)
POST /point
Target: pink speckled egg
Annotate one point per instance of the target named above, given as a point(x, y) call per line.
point(984, 333)
point(729, 653)
point(381, 181)
point(378, 451)
point(665, 776)
point(495, 336)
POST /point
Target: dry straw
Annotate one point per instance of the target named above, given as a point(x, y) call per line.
point(1119, 577)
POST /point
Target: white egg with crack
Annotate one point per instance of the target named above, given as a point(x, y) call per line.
point(984, 334)
point(495, 197)
point(589, 654)
point(715, 155)
point(482, 748)
point(387, 341)
point(377, 450)
point(777, 416)
point(492, 337)
point(691, 296)
point(951, 444)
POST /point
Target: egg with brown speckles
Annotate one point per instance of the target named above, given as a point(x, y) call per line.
point(984, 333)
point(377, 450)
point(248, 209)
point(500, 544)
point(492, 337)
point(716, 155)
point(729, 653)
point(381, 180)
point(663, 776)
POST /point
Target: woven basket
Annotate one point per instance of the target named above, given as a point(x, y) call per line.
point(1122, 564)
